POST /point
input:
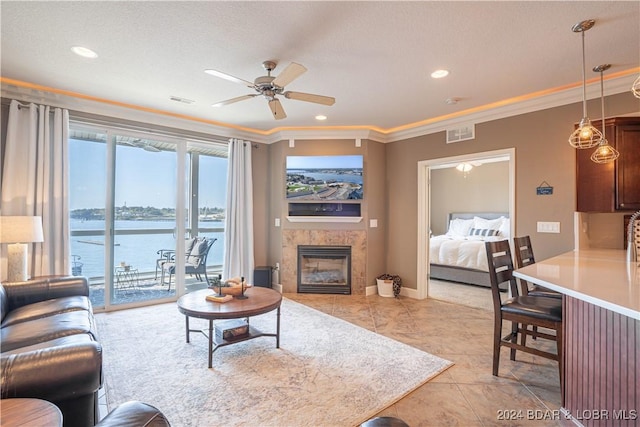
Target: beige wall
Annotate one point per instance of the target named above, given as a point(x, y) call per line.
point(261, 170)
point(484, 189)
point(269, 180)
point(542, 154)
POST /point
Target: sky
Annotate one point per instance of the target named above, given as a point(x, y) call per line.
point(325, 162)
point(143, 178)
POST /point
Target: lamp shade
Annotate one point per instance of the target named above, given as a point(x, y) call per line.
point(21, 229)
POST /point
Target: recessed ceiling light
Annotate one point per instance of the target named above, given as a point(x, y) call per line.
point(321, 117)
point(84, 52)
point(438, 74)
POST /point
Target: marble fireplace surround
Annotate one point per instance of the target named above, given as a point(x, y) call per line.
point(357, 239)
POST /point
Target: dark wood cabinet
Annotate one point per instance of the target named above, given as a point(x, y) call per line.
point(611, 187)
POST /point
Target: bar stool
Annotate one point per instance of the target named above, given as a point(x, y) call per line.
point(520, 310)
point(524, 256)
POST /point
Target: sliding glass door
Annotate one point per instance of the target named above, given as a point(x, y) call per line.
point(144, 220)
point(88, 152)
point(135, 201)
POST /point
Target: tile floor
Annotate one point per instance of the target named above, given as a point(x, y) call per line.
point(466, 394)
point(456, 326)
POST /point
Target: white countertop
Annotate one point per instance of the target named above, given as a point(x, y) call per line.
point(598, 276)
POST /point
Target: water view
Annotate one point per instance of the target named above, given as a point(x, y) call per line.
point(137, 250)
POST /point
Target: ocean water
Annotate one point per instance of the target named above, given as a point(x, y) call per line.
point(356, 179)
point(137, 250)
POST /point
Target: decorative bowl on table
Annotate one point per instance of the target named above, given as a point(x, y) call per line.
point(232, 289)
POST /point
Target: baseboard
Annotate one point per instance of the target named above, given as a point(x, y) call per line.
point(410, 293)
point(278, 288)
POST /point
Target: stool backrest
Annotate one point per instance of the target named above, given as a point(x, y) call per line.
point(524, 256)
point(500, 270)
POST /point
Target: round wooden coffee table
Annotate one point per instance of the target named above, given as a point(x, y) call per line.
point(17, 412)
point(259, 301)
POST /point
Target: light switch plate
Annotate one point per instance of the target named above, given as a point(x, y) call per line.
point(277, 222)
point(373, 223)
point(548, 227)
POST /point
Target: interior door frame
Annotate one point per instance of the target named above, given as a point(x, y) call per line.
point(424, 205)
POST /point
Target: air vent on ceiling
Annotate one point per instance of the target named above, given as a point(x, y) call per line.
point(461, 133)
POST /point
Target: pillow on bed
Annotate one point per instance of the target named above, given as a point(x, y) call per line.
point(490, 224)
point(505, 228)
point(459, 227)
point(483, 232)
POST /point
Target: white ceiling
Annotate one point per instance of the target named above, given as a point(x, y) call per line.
point(373, 57)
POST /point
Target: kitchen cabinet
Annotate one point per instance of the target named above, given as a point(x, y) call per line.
point(611, 187)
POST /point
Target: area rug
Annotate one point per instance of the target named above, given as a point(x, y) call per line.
point(327, 372)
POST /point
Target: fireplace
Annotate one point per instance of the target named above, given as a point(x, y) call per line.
point(324, 269)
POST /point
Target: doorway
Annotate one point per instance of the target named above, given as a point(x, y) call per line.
point(425, 169)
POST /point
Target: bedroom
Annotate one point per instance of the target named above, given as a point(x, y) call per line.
point(459, 191)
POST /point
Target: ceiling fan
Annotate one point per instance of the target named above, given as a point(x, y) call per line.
point(270, 86)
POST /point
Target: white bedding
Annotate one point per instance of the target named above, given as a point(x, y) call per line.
point(458, 252)
point(463, 247)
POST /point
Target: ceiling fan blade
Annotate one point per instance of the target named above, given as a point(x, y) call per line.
point(276, 109)
point(289, 74)
point(229, 77)
point(309, 97)
point(232, 100)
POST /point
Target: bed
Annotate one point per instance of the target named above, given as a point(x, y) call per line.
point(459, 255)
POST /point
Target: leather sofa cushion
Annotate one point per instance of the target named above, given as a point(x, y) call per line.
point(134, 413)
point(68, 340)
point(46, 308)
point(56, 370)
point(47, 328)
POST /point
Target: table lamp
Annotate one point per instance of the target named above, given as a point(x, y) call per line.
point(18, 231)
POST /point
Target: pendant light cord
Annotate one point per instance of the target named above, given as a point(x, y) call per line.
point(584, 79)
point(604, 131)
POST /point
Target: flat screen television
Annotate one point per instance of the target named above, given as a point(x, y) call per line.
point(322, 178)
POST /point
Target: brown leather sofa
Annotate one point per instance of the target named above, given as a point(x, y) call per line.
point(49, 346)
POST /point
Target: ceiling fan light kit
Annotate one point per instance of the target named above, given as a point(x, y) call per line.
point(586, 135)
point(270, 87)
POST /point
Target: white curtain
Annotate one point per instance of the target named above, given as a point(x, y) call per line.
point(238, 237)
point(35, 180)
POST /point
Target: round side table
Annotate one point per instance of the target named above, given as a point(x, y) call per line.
point(29, 413)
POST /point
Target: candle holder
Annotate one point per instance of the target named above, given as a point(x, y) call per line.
point(242, 295)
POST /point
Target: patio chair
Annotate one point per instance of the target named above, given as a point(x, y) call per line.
point(196, 251)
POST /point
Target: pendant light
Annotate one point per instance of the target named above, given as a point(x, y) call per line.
point(605, 153)
point(635, 89)
point(586, 136)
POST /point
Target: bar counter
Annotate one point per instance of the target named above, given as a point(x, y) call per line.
point(601, 316)
point(601, 277)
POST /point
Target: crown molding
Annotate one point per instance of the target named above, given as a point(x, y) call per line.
point(618, 83)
